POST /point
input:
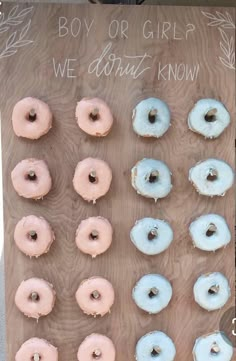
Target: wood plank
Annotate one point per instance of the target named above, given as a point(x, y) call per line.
point(30, 73)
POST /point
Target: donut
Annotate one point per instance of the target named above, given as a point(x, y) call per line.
point(210, 232)
point(151, 118)
point(212, 177)
point(157, 345)
point(152, 293)
point(96, 347)
point(31, 118)
point(31, 178)
point(92, 179)
point(95, 296)
point(94, 117)
point(151, 236)
point(209, 117)
point(151, 178)
point(35, 297)
point(213, 346)
point(94, 236)
point(37, 349)
point(33, 236)
point(212, 291)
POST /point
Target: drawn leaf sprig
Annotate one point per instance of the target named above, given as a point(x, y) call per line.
point(219, 19)
point(13, 18)
point(14, 41)
point(227, 47)
point(227, 44)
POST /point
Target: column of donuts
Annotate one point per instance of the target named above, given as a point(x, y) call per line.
point(92, 179)
point(33, 235)
point(151, 178)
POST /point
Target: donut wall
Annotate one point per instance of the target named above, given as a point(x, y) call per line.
point(118, 156)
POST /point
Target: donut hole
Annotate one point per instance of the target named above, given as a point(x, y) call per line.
point(36, 357)
point(32, 116)
point(93, 235)
point(211, 230)
point(34, 297)
point(92, 178)
point(155, 351)
point(210, 116)
point(152, 116)
point(215, 350)
point(212, 175)
point(153, 292)
point(95, 295)
point(97, 354)
point(153, 176)
point(32, 235)
point(31, 176)
point(213, 290)
point(94, 115)
point(152, 234)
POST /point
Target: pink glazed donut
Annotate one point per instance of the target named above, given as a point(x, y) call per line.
point(96, 347)
point(95, 296)
point(33, 236)
point(31, 118)
point(37, 349)
point(92, 179)
point(94, 235)
point(31, 178)
point(35, 297)
point(94, 117)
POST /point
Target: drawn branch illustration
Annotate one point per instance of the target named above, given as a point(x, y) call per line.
point(227, 44)
point(219, 19)
point(17, 39)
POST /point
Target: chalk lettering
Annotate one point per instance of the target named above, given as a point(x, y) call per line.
point(117, 28)
point(190, 28)
point(147, 34)
point(63, 30)
point(175, 34)
point(108, 62)
point(74, 27)
point(65, 69)
point(166, 30)
point(88, 26)
point(177, 71)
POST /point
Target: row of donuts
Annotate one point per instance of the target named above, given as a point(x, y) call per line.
point(34, 235)
point(95, 296)
point(32, 118)
point(153, 344)
point(151, 178)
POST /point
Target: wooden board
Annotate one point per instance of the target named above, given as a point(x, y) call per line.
point(30, 72)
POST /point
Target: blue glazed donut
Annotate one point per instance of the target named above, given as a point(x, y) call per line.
point(212, 347)
point(212, 177)
point(155, 345)
point(151, 236)
point(210, 232)
point(151, 178)
point(212, 291)
point(151, 118)
point(208, 117)
point(152, 293)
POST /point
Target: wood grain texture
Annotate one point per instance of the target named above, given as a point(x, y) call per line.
point(30, 73)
